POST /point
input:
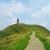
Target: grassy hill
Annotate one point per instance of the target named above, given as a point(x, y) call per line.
point(16, 37)
point(16, 28)
point(43, 34)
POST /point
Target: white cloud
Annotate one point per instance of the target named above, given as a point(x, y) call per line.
point(9, 9)
point(44, 11)
point(18, 7)
point(13, 20)
point(9, 22)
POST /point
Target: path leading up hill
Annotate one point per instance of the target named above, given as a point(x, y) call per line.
point(35, 43)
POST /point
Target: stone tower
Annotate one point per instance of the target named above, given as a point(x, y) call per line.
point(17, 21)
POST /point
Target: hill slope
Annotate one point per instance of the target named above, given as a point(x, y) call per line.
point(43, 34)
point(16, 28)
point(16, 37)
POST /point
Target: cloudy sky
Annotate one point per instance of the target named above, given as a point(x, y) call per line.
point(28, 11)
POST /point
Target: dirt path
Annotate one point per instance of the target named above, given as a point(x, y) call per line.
point(34, 43)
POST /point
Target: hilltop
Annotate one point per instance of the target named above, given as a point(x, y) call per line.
point(17, 36)
point(19, 28)
point(16, 28)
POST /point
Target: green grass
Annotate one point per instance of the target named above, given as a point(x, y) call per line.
point(16, 37)
point(42, 33)
point(16, 28)
point(12, 44)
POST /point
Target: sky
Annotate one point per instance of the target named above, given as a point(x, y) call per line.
point(28, 11)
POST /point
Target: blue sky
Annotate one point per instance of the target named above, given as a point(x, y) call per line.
point(28, 11)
